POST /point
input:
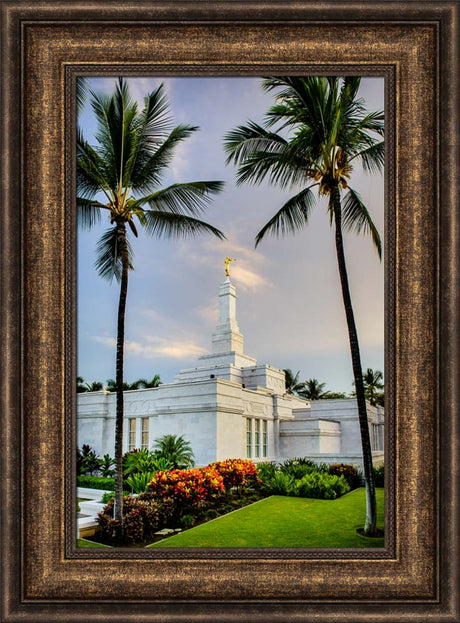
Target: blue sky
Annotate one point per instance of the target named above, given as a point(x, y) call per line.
point(289, 305)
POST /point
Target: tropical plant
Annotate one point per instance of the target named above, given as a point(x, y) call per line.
point(323, 130)
point(106, 466)
point(187, 487)
point(312, 390)
point(292, 381)
point(373, 383)
point(141, 461)
point(82, 387)
point(349, 472)
point(87, 460)
point(321, 485)
point(120, 177)
point(95, 386)
point(145, 384)
point(236, 472)
point(142, 518)
point(139, 481)
point(176, 450)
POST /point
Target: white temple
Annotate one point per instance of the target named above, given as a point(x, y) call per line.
point(230, 406)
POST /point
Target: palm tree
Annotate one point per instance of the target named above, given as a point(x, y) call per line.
point(292, 381)
point(120, 177)
point(82, 387)
point(95, 386)
point(154, 382)
point(373, 382)
point(312, 390)
point(329, 130)
point(175, 450)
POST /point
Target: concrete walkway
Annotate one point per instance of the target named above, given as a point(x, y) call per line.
point(90, 508)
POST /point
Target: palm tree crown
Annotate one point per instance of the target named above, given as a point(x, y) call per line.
point(312, 389)
point(291, 381)
point(120, 176)
point(330, 130)
point(373, 383)
point(176, 450)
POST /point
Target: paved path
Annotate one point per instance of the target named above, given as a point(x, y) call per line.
point(90, 508)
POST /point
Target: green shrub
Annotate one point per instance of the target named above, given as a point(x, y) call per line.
point(96, 482)
point(299, 467)
point(142, 461)
point(349, 472)
point(281, 484)
point(106, 466)
point(322, 486)
point(87, 460)
point(187, 521)
point(379, 475)
point(139, 481)
point(266, 470)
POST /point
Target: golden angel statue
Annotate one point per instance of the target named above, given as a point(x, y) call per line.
point(227, 262)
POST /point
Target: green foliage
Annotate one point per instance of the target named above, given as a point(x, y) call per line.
point(281, 484)
point(349, 472)
point(176, 450)
point(106, 466)
point(187, 521)
point(322, 486)
point(305, 478)
point(379, 475)
point(96, 482)
point(141, 461)
point(266, 470)
point(87, 460)
point(139, 481)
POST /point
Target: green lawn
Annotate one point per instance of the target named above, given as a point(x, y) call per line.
point(287, 522)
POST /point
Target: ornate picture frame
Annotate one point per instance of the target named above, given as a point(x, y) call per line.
point(45, 47)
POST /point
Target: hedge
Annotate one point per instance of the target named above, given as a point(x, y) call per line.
point(96, 482)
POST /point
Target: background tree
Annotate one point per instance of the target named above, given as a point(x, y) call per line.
point(120, 177)
point(323, 129)
point(292, 381)
point(82, 387)
point(373, 383)
point(312, 390)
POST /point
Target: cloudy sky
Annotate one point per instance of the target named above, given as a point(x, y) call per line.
point(289, 305)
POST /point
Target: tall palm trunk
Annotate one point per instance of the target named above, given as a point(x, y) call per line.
point(370, 524)
point(118, 501)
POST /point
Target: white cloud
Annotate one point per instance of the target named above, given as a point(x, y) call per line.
point(163, 347)
point(248, 279)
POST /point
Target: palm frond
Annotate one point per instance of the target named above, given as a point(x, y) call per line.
point(355, 217)
point(149, 167)
point(372, 157)
point(242, 142)
point(189, 197)
point(170, 225)
point(91, 169)
point(291, 217)
point(108, 257)
point(88, 212)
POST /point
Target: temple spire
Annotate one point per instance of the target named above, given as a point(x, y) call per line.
point(227, 337)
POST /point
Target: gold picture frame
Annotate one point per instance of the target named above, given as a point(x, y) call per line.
point(45, 47)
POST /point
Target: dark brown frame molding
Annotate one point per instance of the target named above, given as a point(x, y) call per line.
point(45, 45)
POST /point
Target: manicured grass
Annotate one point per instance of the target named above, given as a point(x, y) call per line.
point(287, 522)
point(85, 543)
